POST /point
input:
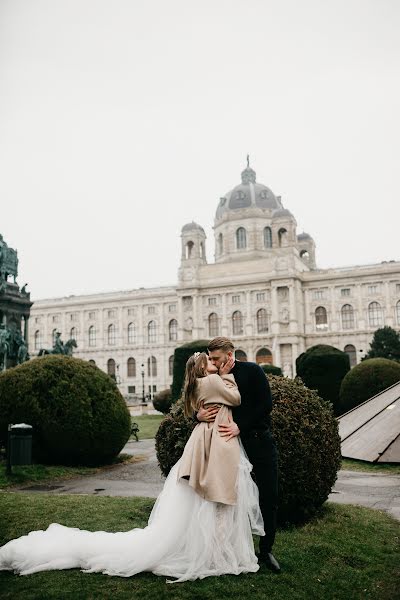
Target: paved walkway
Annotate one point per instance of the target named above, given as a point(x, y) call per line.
point(143, 478)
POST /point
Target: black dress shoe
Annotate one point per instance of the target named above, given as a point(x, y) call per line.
point(269, 560)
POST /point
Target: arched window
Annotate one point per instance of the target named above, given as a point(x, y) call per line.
point(151, 332)
point(189, 249)
point(213, 329)
point(352, 354)
point(237, 323)
point(282, 236)
point(304, 254)
point(131, 367)
point(241, 238)
point(241, 355)
point(263, 356)
point(111, 367)
point(73, 334)
point(111, 335)
point(92, 362)
point(262, 321)
point(267, 237)
point(53, 336)
point(220, 244)
point(173, 330)
point(321, 318)
point(398, 312)
point(347, 316)
point(171, 365)
point(375, 314)
point(92, 336)
point(37, 340)
point(131, 333)
point(152, 366)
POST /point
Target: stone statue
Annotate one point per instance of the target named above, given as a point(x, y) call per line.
point(23, 289)
point(8, 261)
point(23, 354)
point(4, 346)
point(59, 347)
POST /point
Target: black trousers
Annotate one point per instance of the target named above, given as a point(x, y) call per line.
point(263, 455)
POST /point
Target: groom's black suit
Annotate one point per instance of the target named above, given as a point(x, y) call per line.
point(254, 421)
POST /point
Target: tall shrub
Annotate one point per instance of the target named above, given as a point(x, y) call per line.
point(181, 356)
point(366, 380)
point(77, 412)
point(322, 368)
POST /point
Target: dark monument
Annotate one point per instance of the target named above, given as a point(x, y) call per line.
point(59, 347)
point(15, 308)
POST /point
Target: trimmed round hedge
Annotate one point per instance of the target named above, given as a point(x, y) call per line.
point(271, 369)
point(367, 379)
point(306, 433)
point(162, 401)
point(181, 355)
point(322, 368)
point(76, 410)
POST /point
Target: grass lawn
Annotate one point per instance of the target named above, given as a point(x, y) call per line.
point(42, 473)
point(348, 553)
point(148, 425)
point(358, 465)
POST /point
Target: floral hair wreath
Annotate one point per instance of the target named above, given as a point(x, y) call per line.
point(196, 355)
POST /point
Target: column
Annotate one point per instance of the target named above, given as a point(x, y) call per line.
point(249, 315)
point(26, 319)
point(224, 320)
point(274, 311)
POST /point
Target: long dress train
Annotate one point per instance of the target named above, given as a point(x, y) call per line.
point(187, 537)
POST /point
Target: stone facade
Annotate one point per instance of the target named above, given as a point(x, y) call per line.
point(264, 291)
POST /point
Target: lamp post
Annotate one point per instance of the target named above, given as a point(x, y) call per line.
point(142, 372)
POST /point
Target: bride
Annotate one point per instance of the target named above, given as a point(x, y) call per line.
point(201, 523)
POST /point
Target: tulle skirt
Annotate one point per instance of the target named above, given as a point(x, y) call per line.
point(187, 538)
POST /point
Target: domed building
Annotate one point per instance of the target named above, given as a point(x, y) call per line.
point(263, 290)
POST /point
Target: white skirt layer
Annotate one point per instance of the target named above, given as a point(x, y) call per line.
point(186, 538)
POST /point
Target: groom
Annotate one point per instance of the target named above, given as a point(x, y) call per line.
point(253, 422)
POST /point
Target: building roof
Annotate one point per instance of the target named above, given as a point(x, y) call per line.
point(304, 236)
point(246, 194)
point(371, 431)
point(192, 227)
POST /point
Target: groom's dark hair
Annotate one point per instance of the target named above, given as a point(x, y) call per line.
point(221, 343)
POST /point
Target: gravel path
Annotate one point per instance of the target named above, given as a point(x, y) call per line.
point(143, 478)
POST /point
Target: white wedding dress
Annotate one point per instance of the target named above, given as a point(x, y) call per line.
point(187, 537)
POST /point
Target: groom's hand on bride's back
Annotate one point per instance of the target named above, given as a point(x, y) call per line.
point(207, 414)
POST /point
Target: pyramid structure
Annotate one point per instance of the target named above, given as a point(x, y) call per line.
point(371, 431)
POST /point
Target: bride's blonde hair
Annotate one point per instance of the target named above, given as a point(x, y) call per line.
point(196, 366)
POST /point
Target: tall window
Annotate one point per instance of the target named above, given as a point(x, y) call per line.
point(173, 330)
point(220, 244)
point(213, 330)
point(241, 355)
point(241, 238)
point(152, 366)
point(321, 318)
point(347, 317)
point(171, 365)
point(267, 237)
point(375, 316)
point(189, 249)
point(73, 334)
point(237, 323)
point(352, 354)
point(262, 321)
point(131, 333)
point(92, 336)
point(111, 337)
point(131, 367)
point(37, 340)
point(151, 332)
point(282, 236)
point(398, 312)
point(111, 367)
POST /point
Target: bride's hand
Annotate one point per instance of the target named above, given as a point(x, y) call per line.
point(207, 414)
point(227, 367)
point(229, 431)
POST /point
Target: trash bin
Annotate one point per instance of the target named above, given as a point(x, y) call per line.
point(19, 450)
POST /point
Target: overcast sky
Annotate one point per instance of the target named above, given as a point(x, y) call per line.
point(121, 120)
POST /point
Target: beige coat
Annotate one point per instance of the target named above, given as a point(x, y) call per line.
point(209, 462)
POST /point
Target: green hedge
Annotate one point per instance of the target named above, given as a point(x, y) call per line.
point(162, 401)
point(366, 380)
point(271, 369)
point(181, 355)
point(76, 410)
point(322, 368)
point(306, 433)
